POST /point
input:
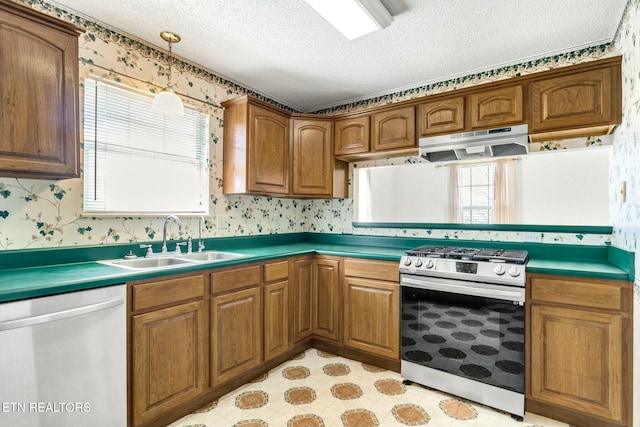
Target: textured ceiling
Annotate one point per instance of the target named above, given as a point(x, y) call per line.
point(283, 50)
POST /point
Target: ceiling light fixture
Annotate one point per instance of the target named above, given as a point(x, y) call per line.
point(168, 102)
point(353, 18)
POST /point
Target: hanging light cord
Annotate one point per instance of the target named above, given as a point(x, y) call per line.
point(170, 61)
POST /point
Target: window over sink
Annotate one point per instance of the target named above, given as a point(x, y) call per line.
point(139, 162)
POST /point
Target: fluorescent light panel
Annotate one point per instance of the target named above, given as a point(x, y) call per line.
point(353, 18)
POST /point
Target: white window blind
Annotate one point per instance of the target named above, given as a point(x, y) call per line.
point(137, 161)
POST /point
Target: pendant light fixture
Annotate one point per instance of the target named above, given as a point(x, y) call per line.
point(168, 102)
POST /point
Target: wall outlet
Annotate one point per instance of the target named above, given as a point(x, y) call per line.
point(532, 237)
point(222, 222)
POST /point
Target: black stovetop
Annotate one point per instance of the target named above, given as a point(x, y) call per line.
point(476, 254)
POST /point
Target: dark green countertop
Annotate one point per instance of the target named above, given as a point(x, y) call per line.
point(31, 278)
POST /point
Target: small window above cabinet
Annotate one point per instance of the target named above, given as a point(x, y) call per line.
point(39, 136)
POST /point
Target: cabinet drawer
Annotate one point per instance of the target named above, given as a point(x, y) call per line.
point(223, 281)
point(602, 295)
point(372, 269)
point(276, 271)
point(169, 291)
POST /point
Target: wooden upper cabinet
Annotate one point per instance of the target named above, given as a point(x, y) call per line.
point(256, 148)
point(394, 129)
point(578, 100)
point(268, 151)
point(351, 135)
point(497, 107)
point(315, 172)
point(39, 113)
point(441, 116)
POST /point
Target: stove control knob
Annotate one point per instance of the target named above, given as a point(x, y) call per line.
point(499, 270)
point(418, 263)
point(428, 263)
point(514, 272)
point(407, 262)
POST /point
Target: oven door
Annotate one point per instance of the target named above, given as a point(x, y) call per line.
point(468, 329)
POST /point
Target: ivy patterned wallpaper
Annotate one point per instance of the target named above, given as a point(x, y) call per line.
point(625, 216)
point(39, 213)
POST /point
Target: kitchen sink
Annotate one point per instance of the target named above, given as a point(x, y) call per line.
point(147, 263)
point(171, 260)
point(208, 256)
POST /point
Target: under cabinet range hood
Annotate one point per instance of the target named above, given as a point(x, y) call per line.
point(505, 141)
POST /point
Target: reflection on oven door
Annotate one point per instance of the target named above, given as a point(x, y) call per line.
point(478, 338)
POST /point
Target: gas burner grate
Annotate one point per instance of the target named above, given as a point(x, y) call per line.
point(502, 255)
point(462, 253)
point(432, 251)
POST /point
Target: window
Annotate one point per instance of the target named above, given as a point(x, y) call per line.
point(137, 161)
point(483, 193)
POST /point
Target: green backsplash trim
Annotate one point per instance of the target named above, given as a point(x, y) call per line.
point(25, 258)
point(573, 229)
point(541, 250)
point(623, 260)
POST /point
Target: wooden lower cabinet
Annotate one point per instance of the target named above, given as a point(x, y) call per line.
point(579, 350)
point(169, 349)
point(236, 333)
point(371, 294)
point(276, 309)
point(326, 298)
point(371, 316)
point(301, 301)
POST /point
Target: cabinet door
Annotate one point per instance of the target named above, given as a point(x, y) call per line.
point(268, 151)
point(326, 299)
point(312, 158)
point(39, 135)
point(169, 349)
point(575, 100)
point(441, 116)
point(371, 320)
point(276, 319)
point(302, 277)
point(394, 129)
point(576, 360)
point(497, 107)
point(236, 334)
point(351, 135)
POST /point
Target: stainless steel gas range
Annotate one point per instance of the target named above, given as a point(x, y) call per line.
point(462, 323)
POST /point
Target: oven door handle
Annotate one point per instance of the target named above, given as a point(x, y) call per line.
point(516, 294)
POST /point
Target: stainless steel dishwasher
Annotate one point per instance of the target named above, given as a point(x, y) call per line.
point(63, 360)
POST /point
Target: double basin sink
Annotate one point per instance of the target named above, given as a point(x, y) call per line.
point(162, 261)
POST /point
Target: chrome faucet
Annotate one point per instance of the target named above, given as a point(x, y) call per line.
point(200, 225)
point(164, 231)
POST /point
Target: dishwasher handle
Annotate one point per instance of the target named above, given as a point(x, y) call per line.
point(64, 314)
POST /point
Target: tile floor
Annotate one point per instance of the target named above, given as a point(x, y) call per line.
point(317, 389)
